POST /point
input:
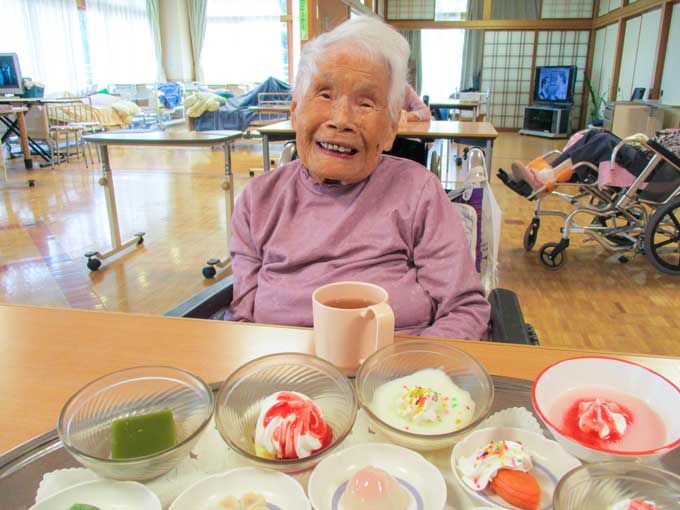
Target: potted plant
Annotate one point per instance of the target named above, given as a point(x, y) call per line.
point(596, 100)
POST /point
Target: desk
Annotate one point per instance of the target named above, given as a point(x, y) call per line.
point(457, 104)
point(425, 131)
point(158, 139)
point(49, 353)
point(18, 111)
point(23, 104)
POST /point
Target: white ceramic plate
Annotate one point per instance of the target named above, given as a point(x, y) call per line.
point(423, 481)
point(280, 490)
point(550, 461)
point(104, 494)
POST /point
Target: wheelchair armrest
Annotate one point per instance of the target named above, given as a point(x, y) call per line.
point(207, 302)
point(507, 321)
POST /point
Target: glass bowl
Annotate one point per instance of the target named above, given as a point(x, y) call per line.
point(600, 486)
point(626, 378)
point(238, 403)
point(84, 424)
point(404, 358)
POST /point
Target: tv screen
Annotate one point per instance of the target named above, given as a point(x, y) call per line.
point(10, 74)
point(554, 84)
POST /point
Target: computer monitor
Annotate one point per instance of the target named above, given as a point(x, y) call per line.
point(554, 84)
point(10, 74)
point(638, 93)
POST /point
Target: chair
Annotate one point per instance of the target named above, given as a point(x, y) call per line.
point(507, 321)
point(71, 117)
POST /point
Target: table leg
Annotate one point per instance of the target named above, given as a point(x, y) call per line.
point(23, 136)
point(265, 153)
point(489, 156)
point(106, 180)
point(209, 270)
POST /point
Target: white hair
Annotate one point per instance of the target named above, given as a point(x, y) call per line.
point(373, 36)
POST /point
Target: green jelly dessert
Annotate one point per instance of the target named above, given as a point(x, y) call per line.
point(82, 506)
point(144, 434)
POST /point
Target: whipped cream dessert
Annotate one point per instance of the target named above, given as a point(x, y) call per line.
point(606, 419)
point(372, 488)
point(290, 426)
point(425, 402)
point(479, 469)
point(633, 504)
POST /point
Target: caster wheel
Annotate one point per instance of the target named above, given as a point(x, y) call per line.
point(531, 235)
point(551, 260)
point(623, 259)
point(140, 241)
point(93, 264)
point(459, 161)
point(209, 272)
point(31, 183)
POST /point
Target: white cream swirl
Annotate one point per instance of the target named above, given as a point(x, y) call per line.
point(634, 504)
point(602, 417)
point(479, 469)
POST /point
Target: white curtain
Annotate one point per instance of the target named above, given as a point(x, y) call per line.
point(121, 42)
point(244, 42)
point(441, 69)
point(198, 20)
point(154, 9)
point(46, 36)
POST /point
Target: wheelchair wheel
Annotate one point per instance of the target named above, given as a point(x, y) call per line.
point(551, 260)
point(531, 234)
point(662, 238)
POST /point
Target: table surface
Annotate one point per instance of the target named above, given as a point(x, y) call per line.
point(13, 110)
point(453, 103)
point(47, 354)
point(433, 129)
point(168, 137)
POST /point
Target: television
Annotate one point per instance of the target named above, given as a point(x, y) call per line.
point(554, 84)
point(10, 74)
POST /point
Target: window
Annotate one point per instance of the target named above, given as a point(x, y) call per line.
point(46, 36)
point(442, 61)
point(245, 41)
point(450, 10)
point(120, 44)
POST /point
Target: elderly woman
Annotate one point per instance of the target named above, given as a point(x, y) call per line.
point(345, 211)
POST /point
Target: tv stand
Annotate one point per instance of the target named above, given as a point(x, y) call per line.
point(550, 121)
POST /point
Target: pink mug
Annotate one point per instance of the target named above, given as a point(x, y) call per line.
point(351, 321)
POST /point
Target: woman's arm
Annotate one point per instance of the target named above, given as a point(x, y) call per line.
point(246, 261)
point(416, 109)
point(445, 268)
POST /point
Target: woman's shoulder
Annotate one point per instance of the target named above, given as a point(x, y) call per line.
point(404, 172)
point(267, 182)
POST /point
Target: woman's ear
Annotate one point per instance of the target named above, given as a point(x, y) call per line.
point(293, 107)
point(390, 135)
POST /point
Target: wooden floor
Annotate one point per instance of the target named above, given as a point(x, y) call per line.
point(174, 195)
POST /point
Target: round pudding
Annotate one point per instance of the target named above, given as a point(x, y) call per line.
point(425, 402)
point(372, 488)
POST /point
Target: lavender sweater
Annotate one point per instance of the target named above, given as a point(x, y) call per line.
point(395, 229)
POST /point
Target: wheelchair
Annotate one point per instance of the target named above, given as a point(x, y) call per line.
point(643, 218)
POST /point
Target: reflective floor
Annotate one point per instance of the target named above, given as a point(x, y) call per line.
point(174, 195)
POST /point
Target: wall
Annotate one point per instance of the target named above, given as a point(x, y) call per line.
point(670, 82)
point(637, 57)
point(176, 41)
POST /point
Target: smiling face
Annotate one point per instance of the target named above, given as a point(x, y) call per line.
point(342, 123)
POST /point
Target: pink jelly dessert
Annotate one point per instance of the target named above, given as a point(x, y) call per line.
point(634, 504)
point(607, 419)
point(372, 488)
point(290, 426)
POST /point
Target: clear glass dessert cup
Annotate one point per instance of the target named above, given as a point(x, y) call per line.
point(238, 403)
point(602, 485)
point(404, 358)
point(85, 421)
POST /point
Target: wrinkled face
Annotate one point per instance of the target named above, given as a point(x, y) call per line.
point(342, 123)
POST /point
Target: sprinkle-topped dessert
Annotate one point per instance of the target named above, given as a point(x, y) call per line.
point(425, 402)
point(504, 466)
point(634, 504)
point(290, 426)
point(479, 469)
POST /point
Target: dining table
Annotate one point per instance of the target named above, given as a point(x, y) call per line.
point(47, 354)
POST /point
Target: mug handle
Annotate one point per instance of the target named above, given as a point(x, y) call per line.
point(384, 323)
